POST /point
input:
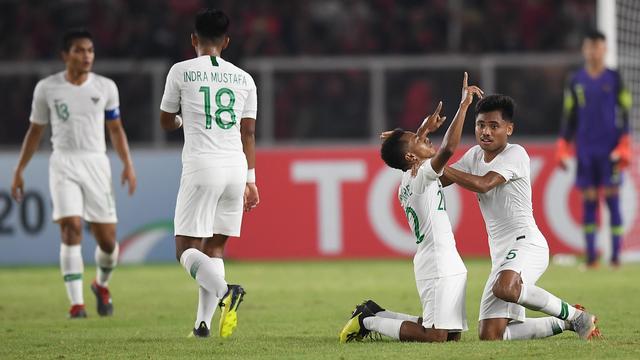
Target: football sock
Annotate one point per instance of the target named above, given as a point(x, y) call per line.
point(207, 301)
point(105, 263)
point(535, 298)
point(384, 326)
point(613, 203)
point(534, 328)
point(208, 272)
point(72, 267)
point(589, 223)
point(398, 316)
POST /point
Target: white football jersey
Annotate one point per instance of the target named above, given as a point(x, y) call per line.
point(507, 208)
point(213, 96)
point(424, 204)
point(76, 112)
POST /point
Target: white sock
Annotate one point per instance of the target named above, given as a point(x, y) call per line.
point(105, 263)
point(534, 328)
point(398, 316)
point(72, 267)
point(535, 298)
point(385, 326)
point(207, 304)
point(208, 272)
point(207, 301)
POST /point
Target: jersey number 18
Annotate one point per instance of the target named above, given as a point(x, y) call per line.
point(221, 107)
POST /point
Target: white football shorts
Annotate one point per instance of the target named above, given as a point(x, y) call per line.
point(525, 257)
point(443, 302)
point(80, 185)
point(210, 201)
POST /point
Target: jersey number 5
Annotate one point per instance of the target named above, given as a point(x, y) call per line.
point(221, 107)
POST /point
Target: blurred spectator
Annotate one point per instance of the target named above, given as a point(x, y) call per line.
point(147, 28)
point(331, 105)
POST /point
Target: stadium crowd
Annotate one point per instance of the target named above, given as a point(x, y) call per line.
point(143, 29)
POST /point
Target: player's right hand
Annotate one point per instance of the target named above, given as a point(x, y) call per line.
point(17, 186)
point(468, 92)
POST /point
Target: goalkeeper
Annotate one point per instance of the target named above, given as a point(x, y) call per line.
point(596, 120)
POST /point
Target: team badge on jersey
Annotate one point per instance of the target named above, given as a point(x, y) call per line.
point(95, 99)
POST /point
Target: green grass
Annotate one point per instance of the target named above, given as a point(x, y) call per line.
point(292, 310)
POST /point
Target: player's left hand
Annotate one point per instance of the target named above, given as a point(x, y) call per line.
point(251, 197)
point(129, 176)
point(435, 120)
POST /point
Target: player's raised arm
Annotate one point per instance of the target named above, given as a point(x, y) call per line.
point(29, 147)
point(454, 132)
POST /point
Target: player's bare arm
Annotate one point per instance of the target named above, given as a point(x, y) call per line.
point(475, 183)
point(119, 140)
point(248, 137)
point(29, 147)
point(454, 132)
point(170, 121)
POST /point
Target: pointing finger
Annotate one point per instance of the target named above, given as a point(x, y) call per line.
point(438, 109)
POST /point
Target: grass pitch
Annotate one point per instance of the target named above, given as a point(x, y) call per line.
point(292, 310)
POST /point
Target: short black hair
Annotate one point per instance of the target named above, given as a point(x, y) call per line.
point(394, 149)
point(211, 24)
point(505, 104)
point(74, 34)
point(593, 34)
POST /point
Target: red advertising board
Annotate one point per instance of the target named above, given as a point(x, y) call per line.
point(342, 203)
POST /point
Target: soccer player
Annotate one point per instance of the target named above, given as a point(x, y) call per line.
point(218, 103)
point(499, 173)
point(78, 104)
point(440, 274)
point(596, 118)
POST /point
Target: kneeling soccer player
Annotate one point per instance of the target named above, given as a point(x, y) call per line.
point(500, 174)
point(440, 274)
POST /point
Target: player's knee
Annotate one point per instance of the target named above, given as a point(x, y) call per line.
point(506, 291)
point(489, 336)
point(71, 230)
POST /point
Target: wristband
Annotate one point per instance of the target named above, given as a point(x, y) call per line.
point(251, 176)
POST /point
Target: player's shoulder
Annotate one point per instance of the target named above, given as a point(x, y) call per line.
point(515, 151)
point(615, 74)
point(235, 68)
point(103, 80)
point(576, 75)
point(474, 152)
point(51, 80)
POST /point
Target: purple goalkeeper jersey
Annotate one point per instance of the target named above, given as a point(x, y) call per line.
point(596, 112)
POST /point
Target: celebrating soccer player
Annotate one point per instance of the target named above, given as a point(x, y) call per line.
point(78, 103)
point(440, 274)
point(500, 174)
point(596, 119)
point(218, 103)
